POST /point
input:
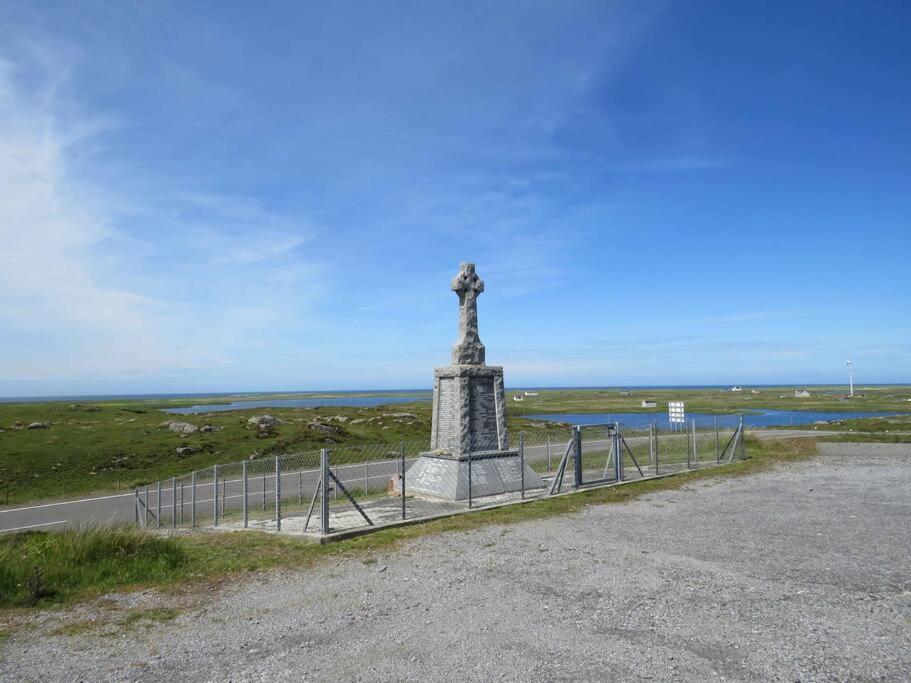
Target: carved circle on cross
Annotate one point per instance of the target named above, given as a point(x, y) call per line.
point(467, 281)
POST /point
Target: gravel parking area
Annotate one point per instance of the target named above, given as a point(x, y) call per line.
point(797, 574)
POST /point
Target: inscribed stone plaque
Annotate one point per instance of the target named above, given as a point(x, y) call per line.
point(447, 415)
point(430, 475)
point(510, 471)
point(483, 415)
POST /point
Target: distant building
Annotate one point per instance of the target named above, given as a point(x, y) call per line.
point(754, 391)
point(516, 397)
point(736, 388)
point(801, 393)
point(648, 403)
point(531, 393)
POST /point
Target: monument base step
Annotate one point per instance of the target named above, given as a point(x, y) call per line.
point(445, 477)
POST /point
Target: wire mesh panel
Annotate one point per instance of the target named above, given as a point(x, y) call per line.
point(636, 445)
point(363, 484)
point(545, 448)
point(597, 457)
point(300, 477)
point(260, 492)
point(672, 450)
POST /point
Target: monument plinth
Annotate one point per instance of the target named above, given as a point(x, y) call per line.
point(469, 417)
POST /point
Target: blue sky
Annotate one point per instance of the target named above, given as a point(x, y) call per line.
point(256, 196)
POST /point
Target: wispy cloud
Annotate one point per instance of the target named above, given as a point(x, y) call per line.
point(81, 299)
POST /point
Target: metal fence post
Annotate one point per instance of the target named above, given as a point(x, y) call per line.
point(366, 478)
point(300, 486)
point(522, 461)
point(577, 455)
point(402, 477)
point(717, 454)
point(324, 498)
point(278, 494)
point(193, 500)
point(743, 453)
point(691, 452)
point(215, 495)
point(651, 444)
point(657, 456)
point(147, 511)
point(173, 503)
point(245, 487)
point(618, 454)
point(182, 507)
point(158, 505)
point(264, 493)
point(136, 506)
point(547, 442)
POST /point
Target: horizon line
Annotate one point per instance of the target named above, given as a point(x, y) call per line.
point(205, 394)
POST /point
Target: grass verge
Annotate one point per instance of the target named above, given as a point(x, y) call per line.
point(47, 568)
point(868, 437)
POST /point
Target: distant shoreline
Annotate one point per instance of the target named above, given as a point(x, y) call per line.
point(384, 392)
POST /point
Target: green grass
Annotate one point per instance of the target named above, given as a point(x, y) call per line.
point(713, 400)
point(114, 445)
point(895, 429)
point(85, 563)
point(37, 568)
point(856, 437)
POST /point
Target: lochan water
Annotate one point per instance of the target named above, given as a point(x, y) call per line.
point(313, 402)
point(760, 418)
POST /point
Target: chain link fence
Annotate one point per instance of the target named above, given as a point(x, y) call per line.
point(347, 487)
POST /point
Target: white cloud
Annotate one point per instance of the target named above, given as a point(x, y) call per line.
point(79, 301)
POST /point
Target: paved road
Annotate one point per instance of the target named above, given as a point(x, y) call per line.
point(296, 486)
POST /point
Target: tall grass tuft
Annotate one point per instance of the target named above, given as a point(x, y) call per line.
point(40, 567)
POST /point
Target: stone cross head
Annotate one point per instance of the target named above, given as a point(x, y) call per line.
point(468, 349)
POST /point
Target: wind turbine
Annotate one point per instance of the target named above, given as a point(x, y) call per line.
point(850, 365)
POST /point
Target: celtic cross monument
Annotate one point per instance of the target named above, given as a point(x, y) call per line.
point(468, 349)
point(469, 417)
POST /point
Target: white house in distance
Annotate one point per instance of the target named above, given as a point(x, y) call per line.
point(649, 403)
point(801, 393)
point(518, 397)
point(531, 393)
point(736, 388)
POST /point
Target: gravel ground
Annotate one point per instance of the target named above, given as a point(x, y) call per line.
point(797, 574)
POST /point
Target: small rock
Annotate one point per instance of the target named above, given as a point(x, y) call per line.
point(210, 428)
point(187, 450)
point(324, 428)
point(182, 427)
point(264, 421)
point(39, 425)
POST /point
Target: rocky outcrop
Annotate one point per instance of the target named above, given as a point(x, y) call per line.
point(264, 422)
point(184, 428)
